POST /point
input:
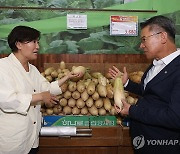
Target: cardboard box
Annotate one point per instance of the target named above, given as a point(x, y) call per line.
point(85, 121)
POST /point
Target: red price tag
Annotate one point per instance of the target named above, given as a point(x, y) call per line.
point(124, 25)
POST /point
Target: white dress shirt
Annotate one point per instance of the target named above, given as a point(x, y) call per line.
point(158, 65)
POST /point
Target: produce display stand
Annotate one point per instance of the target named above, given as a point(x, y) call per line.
point(104, 140)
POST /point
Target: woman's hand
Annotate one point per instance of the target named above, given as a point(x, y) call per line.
point(73, 75)
point(47, 97)
point(69, 76)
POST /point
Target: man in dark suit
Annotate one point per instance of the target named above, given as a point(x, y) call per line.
point(155, 119)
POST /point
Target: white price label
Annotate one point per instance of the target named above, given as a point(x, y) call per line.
point(75, 21)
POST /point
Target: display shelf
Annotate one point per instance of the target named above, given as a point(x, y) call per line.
point(104, 140)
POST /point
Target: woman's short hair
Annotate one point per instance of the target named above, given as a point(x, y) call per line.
point(22, 34)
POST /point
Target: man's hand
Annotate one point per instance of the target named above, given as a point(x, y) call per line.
point(125, 108)
point(115, 72)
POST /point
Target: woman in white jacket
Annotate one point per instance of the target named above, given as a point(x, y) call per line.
point(22, 88)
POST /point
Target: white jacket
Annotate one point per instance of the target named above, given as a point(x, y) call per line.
point(20, 123)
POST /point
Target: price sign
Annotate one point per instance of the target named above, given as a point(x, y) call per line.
point(124, 25)
point(75, 21)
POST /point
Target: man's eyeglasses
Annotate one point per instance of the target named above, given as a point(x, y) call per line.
point(144, 38)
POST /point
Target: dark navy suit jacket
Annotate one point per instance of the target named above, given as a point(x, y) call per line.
point(155, 119)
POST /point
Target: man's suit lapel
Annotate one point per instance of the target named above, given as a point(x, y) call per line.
point(164, 73)
point(144, 76)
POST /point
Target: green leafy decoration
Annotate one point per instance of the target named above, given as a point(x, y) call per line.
point(72, 47)
point(87, 44)
point(178, 41)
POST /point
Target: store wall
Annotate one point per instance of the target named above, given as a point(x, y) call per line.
point(94, 45)
point(96, 39)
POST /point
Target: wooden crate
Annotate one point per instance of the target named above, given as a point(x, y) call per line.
point(94, 67)
point(103, 67)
